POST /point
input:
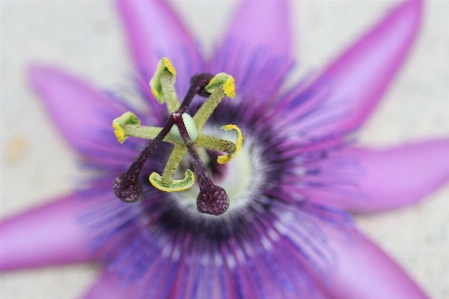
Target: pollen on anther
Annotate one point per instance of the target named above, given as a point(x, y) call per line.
point(229, 87)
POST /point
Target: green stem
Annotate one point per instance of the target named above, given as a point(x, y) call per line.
point(172, 164)
point(215, 144)
point(168, 89)
point(205, 111)
point(145, 132)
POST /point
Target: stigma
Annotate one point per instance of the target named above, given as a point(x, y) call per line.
point(185, 133)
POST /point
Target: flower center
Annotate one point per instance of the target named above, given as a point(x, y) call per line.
point(236, 178)
point(186, 134)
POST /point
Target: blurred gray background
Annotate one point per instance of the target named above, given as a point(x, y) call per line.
point(86, 38)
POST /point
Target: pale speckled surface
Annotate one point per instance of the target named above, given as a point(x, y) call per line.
point(86, 38)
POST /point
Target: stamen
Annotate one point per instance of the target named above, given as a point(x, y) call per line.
point(179, 151)
point(228, 84)
point(166, 182)
point(129, 125)
point(162, 84)
point(212, 199)
point(221, 86)
point(175, 185)
point(146, 132)
point(185, 132)
point(119, 123)
point(215, 144)
point(127, 186)
point(226, 159)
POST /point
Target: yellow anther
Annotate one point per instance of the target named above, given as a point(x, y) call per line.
point(167, 63)
point(238, 145)
point(224, 79)
point(175, 185)
point(155, 93)
point(164, 65)
point(119, 123)
point(119, 133)
point(229, 87)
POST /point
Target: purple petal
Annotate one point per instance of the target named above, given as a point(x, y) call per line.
point(394, 177)
point(110, 286)
point(154, 31)
point(47, 235)
point(81, 113)
point(256, 49)
point(357, 79)
point(262, 24)
point(364, 271)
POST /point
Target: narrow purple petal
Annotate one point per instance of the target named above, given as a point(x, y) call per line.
point(363, 270)
point(357, 79)
point(154, 31)
point(44, 236)
point(394, 177)
point(110, 286)
point(82, 114)
point(262, 24)
point(256, 49)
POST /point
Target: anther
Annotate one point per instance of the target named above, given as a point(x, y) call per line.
point(212, 199)
point(127, 186)
point(185, 133)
